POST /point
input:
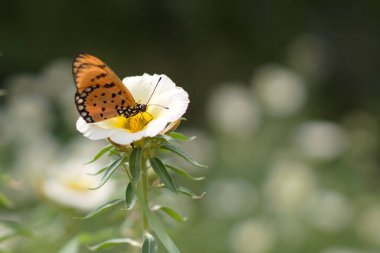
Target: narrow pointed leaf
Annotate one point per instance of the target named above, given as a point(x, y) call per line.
point(114, 242)
point(189, 192)
point(135, 164)
point(102, 208)
point(107, 174)
point(149, 245)
point(183, 173)
point(101, 153)
point(130, 197)
point(177, 150)
point(99, 171)
point(71, 247)
point(181, 137)
point(162, 173)
point(171, 212)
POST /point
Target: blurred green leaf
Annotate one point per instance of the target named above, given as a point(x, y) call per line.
point(130, 197)
point(71, 246)
point(189, 192)
point(99, 171)
point(171, 212)
point(135, 164)
point(162, 173)
point(114, 242)
point(183, 173)
point(177, 150)
point(107, 174)
point(102, 208)
point(181, 137)
point(16, 229)
point(5, 202)
point(149, 245)
point(101, 153)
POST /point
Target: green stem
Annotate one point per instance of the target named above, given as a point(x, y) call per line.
point(144, 186)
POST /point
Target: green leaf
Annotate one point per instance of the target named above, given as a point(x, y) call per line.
point(99, 171)
point(130, 197)
point(155, 224)
point(101, 208)
point(183, 173)
point(135, 164)
point(181, 137)
point(16, 229)
point(177, 150)
point(149, 245)
point(162, 173)
point(5, 201)
point(71, 246)
point(169, 211)
point(189, 192)
point(114, 242)
point(107, 174)
point(101, 153)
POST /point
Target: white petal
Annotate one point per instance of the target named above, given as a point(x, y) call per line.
point(142, 87)
point(93, 131)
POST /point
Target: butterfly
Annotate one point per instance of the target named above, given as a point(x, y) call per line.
point(100, 93)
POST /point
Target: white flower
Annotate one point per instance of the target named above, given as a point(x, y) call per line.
point(321, 139)
point(233, 110)
point(288, 186)
point(231, 198)
point(368, 224)
point(253, 236)
point(167, 94)
point(69, 185)
point(330, 211)
point(280, 91)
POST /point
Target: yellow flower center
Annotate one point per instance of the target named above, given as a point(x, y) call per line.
point(134, 123)
point(80, 185)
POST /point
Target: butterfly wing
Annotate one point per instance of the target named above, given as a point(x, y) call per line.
point(100, 93)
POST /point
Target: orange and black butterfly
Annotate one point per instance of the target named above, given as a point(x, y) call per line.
point(100, 92)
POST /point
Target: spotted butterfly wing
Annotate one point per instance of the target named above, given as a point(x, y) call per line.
point(100, 93)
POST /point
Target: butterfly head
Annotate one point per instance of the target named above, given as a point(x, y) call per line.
point(141, 107)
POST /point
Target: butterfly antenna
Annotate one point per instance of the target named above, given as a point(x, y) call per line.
point(161, 106)
point(153, 90)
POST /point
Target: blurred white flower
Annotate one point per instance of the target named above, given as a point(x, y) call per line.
point(233, 111)
point(368, 225)
point(26, 118)
point(306, 54)
point(21, 84)
point(330, 211)
point(166, 94)
point(230, 198)
point(289, 184)
point(252, 236)
point(68, 184)
point(321, 139)
point(55, 78)
point(280, 91)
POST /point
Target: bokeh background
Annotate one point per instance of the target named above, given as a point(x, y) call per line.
point(284, 104)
